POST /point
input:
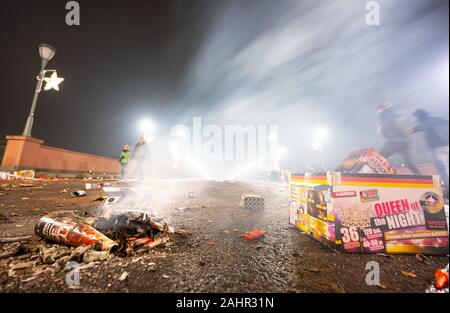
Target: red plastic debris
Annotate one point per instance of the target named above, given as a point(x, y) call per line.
point(254, 234)
point(135, 242)
point(441, 278)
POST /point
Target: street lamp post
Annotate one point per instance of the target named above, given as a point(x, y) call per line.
point(318, 146)
point(320, 135)
point(47, 53)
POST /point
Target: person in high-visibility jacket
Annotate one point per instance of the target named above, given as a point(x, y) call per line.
point(124, 159)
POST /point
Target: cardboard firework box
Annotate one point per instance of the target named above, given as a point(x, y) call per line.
point(370, 213)
point(251, 202)
point(367, 160)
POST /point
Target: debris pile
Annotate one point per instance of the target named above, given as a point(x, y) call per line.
point(119, 233)
point(133, 230)
point(87, 240)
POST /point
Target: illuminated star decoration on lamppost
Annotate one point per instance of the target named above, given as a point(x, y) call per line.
point(53, 82)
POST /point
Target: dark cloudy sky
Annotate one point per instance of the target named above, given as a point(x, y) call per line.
point(293, 63)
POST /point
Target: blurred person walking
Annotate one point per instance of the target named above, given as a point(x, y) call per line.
point(395, 136)
point(124, 159)
point(436, 130)
point(139, 157)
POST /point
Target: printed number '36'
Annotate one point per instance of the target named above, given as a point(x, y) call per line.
point(349, 234)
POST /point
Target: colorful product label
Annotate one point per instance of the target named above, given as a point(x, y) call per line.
point(371, 213)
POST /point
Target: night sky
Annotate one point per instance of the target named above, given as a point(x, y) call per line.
point(126, 59)
point(295, 63)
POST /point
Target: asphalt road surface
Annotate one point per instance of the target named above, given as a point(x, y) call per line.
point(210, 256)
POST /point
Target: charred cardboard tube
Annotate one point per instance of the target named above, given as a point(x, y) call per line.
point(67, 228)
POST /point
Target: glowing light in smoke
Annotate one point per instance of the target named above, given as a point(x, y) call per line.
point(146, 125)
point(320, 134)
point(281, 152)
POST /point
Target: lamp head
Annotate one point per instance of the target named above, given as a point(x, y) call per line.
point(46, 52)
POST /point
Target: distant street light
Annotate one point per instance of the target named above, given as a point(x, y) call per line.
point(281, 152)
point(146, 127)
point(320, 134)
point(47, 53)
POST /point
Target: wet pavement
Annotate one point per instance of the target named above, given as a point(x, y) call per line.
point(209, 254)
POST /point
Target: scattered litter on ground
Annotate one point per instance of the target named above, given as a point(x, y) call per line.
point(409, 274)
point(385, 255)
point(15, 239)
point(28, 279)
point(95, 186)
point(254, 234)
point(21, 265)
point(4, 176)
point(22, 249)
point(24, 185)
point(79, 193)
point(120, 233)
point(100, 199)
point(67, 228)
point(441, 278)
point(88, 266)
point(124, 276)
point(77, 254)
point(423, 258)
point(440, 284)
point(25, 174)
point(95, 256)
point(183, 208)
point(50, 255)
